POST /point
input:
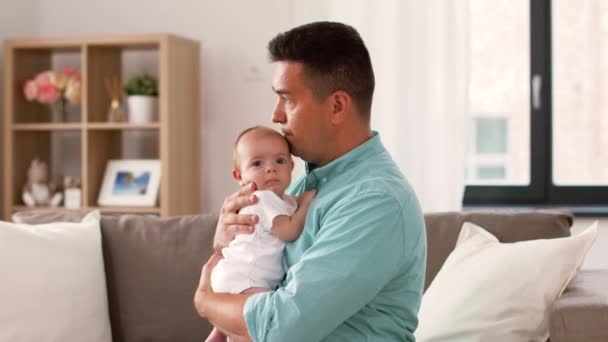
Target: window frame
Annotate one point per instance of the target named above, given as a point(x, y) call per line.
point(541, 192)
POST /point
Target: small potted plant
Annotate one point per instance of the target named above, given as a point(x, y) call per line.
point(142, 98)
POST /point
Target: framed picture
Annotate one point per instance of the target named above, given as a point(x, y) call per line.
point(130, 182)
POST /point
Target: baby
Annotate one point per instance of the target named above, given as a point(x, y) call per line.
point(253, 262)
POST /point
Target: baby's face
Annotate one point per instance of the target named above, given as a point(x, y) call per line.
point(264, 158)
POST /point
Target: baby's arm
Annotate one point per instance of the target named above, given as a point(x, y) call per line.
point(289, 228)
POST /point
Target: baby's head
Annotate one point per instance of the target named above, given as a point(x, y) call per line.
point(261, 155)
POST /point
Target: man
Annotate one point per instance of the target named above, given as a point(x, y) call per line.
point(356, 273)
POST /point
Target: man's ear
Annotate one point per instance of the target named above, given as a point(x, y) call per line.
point(236, 174)
point(341, 103)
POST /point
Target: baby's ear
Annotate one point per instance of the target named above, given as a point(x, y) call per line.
point(236, 174)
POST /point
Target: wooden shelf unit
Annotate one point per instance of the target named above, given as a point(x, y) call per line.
point(28, 132)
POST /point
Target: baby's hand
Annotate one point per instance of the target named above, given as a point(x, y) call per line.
point(289, 228)
point(304, 200)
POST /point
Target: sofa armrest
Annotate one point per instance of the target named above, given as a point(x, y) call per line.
point(581, 313)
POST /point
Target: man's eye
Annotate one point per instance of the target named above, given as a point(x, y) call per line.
point(281, 161)
point(256, 163)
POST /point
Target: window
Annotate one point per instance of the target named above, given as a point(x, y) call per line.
point(538, 95)
point(487, 161)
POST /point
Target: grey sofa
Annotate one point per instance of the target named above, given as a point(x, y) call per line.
point(153, 265)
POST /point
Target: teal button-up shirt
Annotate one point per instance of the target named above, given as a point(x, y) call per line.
point(356, 273)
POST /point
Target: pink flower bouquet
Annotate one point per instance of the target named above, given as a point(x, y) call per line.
point(48, 87)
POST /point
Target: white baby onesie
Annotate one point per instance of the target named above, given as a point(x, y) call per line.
point(255, 260)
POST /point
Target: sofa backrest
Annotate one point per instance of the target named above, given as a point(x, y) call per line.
point(442, 230)
point(153, 264)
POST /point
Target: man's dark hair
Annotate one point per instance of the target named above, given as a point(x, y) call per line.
point(333, 56)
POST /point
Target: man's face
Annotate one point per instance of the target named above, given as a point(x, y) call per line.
point(303, 119)
point(264, 159)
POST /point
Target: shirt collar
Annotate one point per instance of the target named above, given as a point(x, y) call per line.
point(371, 147)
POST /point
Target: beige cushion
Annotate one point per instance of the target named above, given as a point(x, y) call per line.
point(442, 230)
point(153, 266)
point(500, 292)
point(52, 282)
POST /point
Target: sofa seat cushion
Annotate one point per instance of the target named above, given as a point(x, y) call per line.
point(581, 313)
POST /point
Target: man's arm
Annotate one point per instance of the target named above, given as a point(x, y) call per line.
point(224, 311)
point(289, 228)
point(358, 250)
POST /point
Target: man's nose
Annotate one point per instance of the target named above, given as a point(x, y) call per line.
point(278, 115)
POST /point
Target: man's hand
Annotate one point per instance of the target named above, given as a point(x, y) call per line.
point(230, 222)
point(204, 284)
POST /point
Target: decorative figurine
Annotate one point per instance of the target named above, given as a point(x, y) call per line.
point(39, 191)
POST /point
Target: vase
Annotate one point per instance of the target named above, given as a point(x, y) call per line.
point(142, 109)
point(59, 110)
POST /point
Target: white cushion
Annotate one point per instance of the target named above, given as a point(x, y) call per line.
point(492, 291)
point(52, 283)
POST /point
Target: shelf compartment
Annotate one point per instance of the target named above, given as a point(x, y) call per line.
point(121, 61)
point(60, 150)
point(116, 143)
point(27, 62)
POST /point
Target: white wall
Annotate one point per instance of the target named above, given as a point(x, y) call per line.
point(236, 75)
point(19, 18)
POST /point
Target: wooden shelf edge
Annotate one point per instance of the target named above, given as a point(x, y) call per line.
point(16, 208)
point(127, 210)
point(76, 42)
point(70, 126)
point(124, 210)
point(74, 126)
point(121, 126)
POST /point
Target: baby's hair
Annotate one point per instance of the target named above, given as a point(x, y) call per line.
point(249, 130)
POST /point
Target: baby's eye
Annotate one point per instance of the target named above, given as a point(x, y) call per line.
point(256, 163)
point(281, 161)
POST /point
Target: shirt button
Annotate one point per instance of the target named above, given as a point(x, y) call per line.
point(323, 180)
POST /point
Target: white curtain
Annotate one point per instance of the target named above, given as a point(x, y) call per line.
point(420, 54)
